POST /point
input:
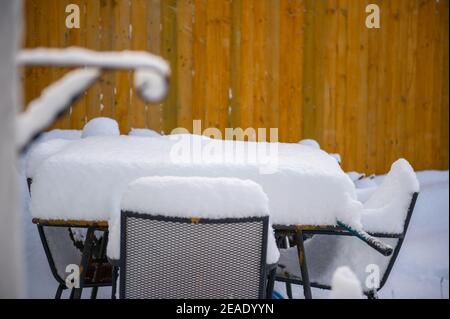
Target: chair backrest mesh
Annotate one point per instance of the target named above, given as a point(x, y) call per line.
point(164, 257)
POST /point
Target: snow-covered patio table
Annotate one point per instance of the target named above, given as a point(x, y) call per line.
point(82, 181)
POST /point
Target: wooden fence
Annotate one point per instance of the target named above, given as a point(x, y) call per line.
point(310, 68)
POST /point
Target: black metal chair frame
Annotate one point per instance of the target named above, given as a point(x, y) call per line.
point(300, 233)
point(267, 272)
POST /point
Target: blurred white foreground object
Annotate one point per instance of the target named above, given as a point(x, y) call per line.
point(54, 100)
point(151, 81)
point(345, 285)
point(101, 126)
point(11, 250)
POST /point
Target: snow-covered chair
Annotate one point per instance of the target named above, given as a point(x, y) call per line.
point(193, 237)
point(386, 215)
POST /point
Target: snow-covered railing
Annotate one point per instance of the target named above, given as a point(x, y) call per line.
point(151, 80)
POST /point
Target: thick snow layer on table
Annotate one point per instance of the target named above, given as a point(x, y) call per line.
point(101, 126)
point(54, 99)
point(345, 285)
point(42, 152)
point(143, 132)
point(87, 179)
point(186, 197)
point(385, 211)
point(46, 145)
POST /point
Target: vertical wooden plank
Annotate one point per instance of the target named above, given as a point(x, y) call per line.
point(444, 141)
point(424, 84)
point(107, 81)
point(353, 83)
point(329, 86)
point(27, 72)
point(123, 84)
point(137, 117)
point(76, 38)
point(374, 40)
point(395, 71)
point(199, 58)
point(319, 57)
point(92, 41)
point(218, 32)
point(273, 38)
point(185, 16)
point(402, 77)
point(411, 57)
point(341, 74)
point(62, 43)
point(169, 52)
point(235, 67)
point(291, 67)
point(246, 65)
point(437, 98)
point(383, 85)
point(154, 111)
point(309, 67)
point(260, 64)
point(362, 69)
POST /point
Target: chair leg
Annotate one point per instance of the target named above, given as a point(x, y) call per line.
point(72, 294)
point(289, 290)
point(94, 292)
point(270, 283)
point(114, 282)
point(85, 261)
point(303, 267)
point(59, 291)
point(372, 294)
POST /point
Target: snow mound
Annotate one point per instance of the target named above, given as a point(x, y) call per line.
point(186, 197)
point(143, 132)
point(311, 143)
point(345, 285)
point(101, 126)
point(385, 211)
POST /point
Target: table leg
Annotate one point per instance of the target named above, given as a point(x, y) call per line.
point(85, 261)
point(115, 272)
point(59, 291)
point(302, 261)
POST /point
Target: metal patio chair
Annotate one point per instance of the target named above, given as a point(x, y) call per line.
point(172, 257)
point(329, 248)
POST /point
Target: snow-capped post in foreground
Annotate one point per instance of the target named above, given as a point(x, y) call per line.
point(11, 251)
point(345, 285)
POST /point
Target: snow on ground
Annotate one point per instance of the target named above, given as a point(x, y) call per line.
point(421, 270)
